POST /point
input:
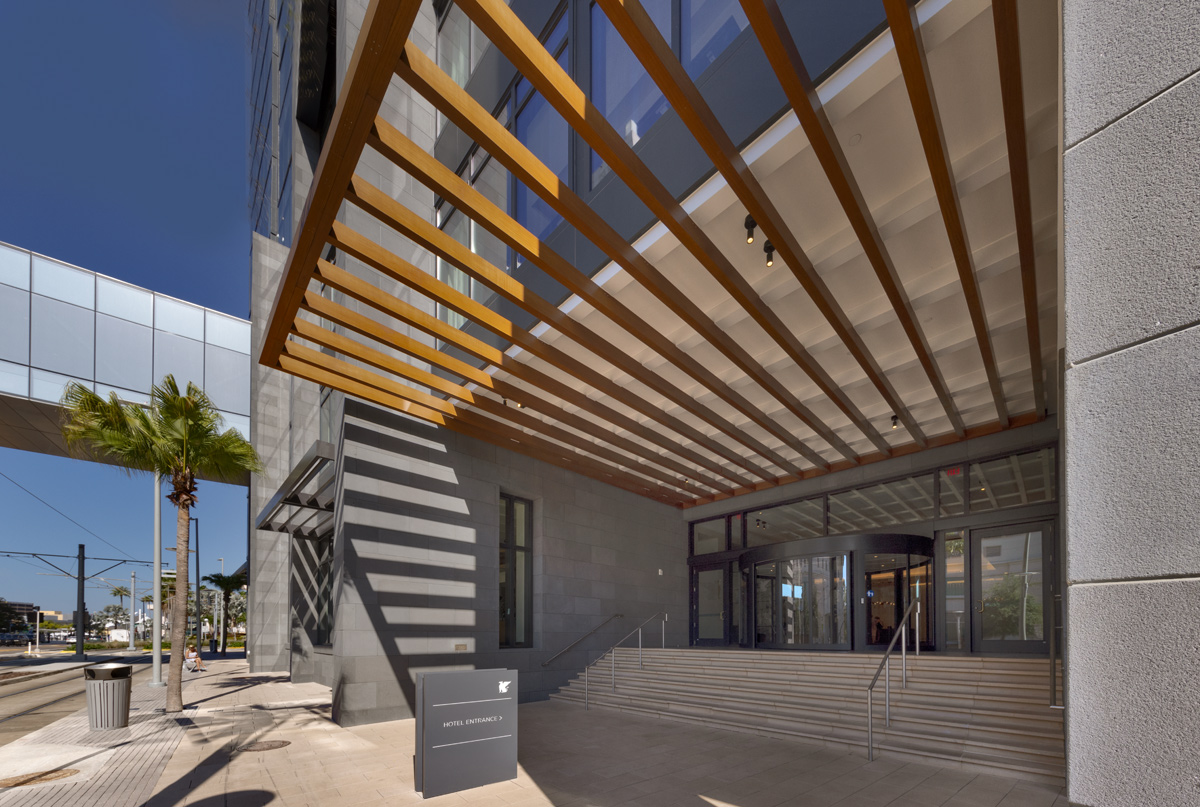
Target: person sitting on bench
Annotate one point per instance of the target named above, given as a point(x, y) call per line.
point(192, 661)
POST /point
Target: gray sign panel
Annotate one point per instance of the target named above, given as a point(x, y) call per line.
point(466, 730)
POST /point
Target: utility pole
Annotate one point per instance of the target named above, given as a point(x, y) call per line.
point(132, 602)
point(79, 607)
point(156, 626)
point(199, 633)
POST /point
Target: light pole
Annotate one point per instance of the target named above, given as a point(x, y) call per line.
point(132, 603)
point(156, 658)
point(199, 634)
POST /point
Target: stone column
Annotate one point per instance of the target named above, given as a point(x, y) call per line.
point(1131, 180)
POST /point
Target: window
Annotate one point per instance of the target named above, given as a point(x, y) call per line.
point(544, 132)
point(516, 572)
point(707, 28)
point(621, 87)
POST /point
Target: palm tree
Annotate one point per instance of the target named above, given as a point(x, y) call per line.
point(120, 592)
point(227, 583)
point(178, 437)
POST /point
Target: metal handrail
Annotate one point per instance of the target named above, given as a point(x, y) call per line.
point(886, 664)
point(613, 648)
point(581, 638)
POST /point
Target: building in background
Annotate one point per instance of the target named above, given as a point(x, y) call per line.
point(825, 311)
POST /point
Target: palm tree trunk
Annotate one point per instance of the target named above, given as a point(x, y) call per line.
point(179, 612)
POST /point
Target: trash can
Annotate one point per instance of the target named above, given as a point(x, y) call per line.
point(212, 645)
point(108, 689)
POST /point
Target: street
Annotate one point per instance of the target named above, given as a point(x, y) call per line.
point(30, 705)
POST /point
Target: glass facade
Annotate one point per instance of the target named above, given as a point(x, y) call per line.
point(516, 572)
point(60, 323)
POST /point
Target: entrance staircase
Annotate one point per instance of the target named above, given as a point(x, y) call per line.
point(986, 714)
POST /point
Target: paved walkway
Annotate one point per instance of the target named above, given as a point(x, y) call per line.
point(568, 757)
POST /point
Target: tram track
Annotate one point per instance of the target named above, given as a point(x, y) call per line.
point(78, 690)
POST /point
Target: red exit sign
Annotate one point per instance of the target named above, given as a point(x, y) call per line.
point(954, 472)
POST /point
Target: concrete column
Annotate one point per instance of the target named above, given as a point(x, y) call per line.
point(1131, 180)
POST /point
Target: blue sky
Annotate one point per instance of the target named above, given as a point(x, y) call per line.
point(122, 150)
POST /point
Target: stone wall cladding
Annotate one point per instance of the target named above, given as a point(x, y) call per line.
point(418, 532)
point(1132, 288)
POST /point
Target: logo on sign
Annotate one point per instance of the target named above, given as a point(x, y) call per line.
point(504, 686)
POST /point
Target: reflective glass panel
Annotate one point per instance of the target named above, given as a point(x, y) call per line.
point(958, 627)
point(14, 267)
point(710, 604)
point(1012, 481)
point(708, 536)
point(545, 133)
point(1011, 586)
point(45, 386)
point(14, 379)
point(766, 604)
point(950, 491)
point(124, 354)
point(14, 324)
point(708, 27)
point(735, 531)
point(457, 227)
point(521, 526)
point(128, 396)
point(227, 332)
point(180, 318)
point(521, 594)
point(124, 301)
point(454, 45)
point(182, 358)
point(62, 337)
point(793, 588)
point(788, 522)
point(227, 379)
point(62, 282)
point(239, 423)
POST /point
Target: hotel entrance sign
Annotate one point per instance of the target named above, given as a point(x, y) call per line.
point(466, 730)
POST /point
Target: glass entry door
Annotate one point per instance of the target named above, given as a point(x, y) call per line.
point(893, 581)
point(1010, 588)
point(710, 605)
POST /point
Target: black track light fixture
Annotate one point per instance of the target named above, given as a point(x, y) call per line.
point(895, 422)
point(750, 225)
point(769, 248)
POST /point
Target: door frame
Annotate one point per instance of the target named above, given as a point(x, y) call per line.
point(694, 604)
point(975, 572)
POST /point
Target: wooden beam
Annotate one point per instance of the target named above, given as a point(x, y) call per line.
point(391, 265)
point(522, 48)
point(390, 364)
point(369, 328)
point(777, 41)
point(425, 77)
point(492, 431)
point(385, 29)
point(399, 217)
point(906, 32)
point(1012, 95)
point(364, 292)
point(639, 32)
point(429, 171)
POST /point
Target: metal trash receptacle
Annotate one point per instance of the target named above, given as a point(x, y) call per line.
point(212, 645)
point(108, 689)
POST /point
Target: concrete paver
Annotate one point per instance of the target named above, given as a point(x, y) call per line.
point(567, 757)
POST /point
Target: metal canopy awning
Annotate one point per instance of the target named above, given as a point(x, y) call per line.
point(912, 300)
point(303, 505)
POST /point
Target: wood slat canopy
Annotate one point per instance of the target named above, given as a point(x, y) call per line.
point(639, 384)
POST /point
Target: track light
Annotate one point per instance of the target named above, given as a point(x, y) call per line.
point(769, 248)
point(895, 422)
point(750, 225)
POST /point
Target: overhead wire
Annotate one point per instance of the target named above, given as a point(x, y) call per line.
point(67, 517)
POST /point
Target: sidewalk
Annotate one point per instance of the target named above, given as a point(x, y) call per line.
point(567, 757)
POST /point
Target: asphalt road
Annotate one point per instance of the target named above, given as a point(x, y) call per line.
point(30, 705)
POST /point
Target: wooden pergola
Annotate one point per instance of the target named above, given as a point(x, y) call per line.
point(656, 420)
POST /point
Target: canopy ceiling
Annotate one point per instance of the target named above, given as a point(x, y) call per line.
point(911, 201)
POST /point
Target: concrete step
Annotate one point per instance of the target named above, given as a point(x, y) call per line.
point(985, 714)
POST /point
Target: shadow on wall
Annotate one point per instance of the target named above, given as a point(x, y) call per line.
point(416, 564)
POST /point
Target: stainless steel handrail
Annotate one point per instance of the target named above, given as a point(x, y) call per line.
point(613, 670)
point(886, 664)
point(581, 638)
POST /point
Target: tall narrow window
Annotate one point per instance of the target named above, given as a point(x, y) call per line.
point(516, 572)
